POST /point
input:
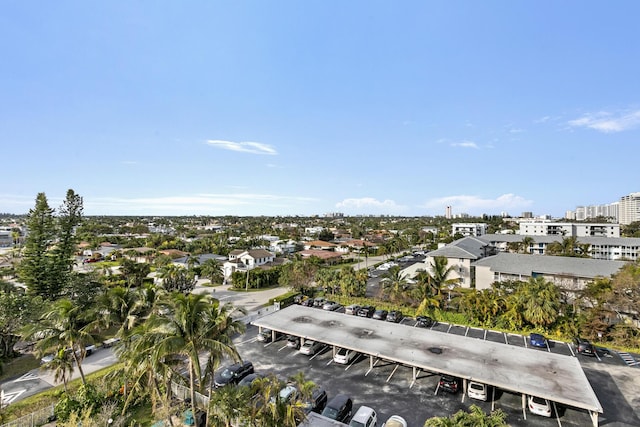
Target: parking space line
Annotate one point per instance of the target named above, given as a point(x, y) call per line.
point(571, 349)
point(282, 348)
point(548, 347)
point(506, 341)
point(414, 380)
point(437, 388)
point(250, 340)
point(485, 335)
point(330, 362)
point(392, 372)
point(595, 351)
point(525, 341)
point(371, 368)
point(466, 331)
point(450, 325)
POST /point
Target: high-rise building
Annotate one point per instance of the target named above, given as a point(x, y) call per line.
point(629, 209)
point(447, 212)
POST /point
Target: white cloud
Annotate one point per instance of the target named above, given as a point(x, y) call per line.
point(475, 205)
point(244, 147)
point(369, 205)
point(196, 204)
point(608, 122)
point(465, 144)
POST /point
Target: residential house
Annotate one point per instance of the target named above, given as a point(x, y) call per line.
point(246, 260)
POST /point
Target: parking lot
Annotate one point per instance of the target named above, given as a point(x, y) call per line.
point(389, 389)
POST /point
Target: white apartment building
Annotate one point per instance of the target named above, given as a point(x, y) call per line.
point(469, 229)
point(569, 229)
point(629, 210)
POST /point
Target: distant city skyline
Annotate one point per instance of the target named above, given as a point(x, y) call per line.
point(297, 108)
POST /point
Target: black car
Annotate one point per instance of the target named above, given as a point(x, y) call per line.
point(366, 311)
point(424, 322)
point(449, 383)
point(395, 316)
point(339, 408)
point(317, 402)
point(380, 314)
point(249, 379)
point(584, 347)
point(232, 374)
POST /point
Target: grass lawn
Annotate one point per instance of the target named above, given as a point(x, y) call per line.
point(19, 366)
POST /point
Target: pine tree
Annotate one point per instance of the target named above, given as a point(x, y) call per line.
point(69, 217)
point(35, 269)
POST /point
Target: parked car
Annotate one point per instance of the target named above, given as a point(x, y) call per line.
point(344, 356)
point(331, 306)
point(395, 421)
point(265, 335)
point(380, 314)
point(539, 406)
point(584, 347)
point(477, 391)
point(352, 309)
point(232, 374)
point(538, 340)
point(395, 316)
point(424, 322)
point(364, 417)
point(310, 347)
point(307, 302)
point(319, 302)
point(317, 402)
point(287, 394)
point(449, 383)
point(249, 379)
point(366, 311)
point(339, 408)
point(293, 341)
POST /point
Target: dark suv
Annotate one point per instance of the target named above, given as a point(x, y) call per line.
point(366, 311)
point(449, 383)
point(584, 347)
point(339, 408)
point(317, 402)
point(232, 374)
point(424, 322)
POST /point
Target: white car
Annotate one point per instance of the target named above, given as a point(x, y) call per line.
point(539, 406)
point(310, 347)
point(395, 421)
point(344, 356)
point(477, 391)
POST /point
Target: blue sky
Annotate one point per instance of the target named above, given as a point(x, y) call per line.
point(308, 107)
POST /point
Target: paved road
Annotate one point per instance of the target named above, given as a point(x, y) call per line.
point(38, 380)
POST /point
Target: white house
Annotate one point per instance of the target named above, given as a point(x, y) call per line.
point(246, 260)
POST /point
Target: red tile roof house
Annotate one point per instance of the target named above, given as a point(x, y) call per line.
point(320, 244)
point(327, 256)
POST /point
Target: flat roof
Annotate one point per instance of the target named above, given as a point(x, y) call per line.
point(551, 376)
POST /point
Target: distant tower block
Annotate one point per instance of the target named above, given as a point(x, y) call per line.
point(447, 213)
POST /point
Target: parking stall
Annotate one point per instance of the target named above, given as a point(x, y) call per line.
point(516, 369)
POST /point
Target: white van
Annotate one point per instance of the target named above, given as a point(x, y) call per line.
point(364, 417)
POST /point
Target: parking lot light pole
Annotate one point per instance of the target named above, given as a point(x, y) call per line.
point(246, 286)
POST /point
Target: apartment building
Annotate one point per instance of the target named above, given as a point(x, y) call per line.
point(569, 229)
point(629, 209)
point(469, 229)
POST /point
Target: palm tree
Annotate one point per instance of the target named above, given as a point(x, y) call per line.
point(424, 292)
point(540, 301)
point(212, 270)
point(526, 243)
point(66, 325)
point(62, 366)
point(439, 273)
point(187, 325)
point(394, 284)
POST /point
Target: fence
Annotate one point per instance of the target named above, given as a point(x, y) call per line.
point(183, 393)
point(34, 419)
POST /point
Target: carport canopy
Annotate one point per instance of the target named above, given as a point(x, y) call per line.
point(555, 377)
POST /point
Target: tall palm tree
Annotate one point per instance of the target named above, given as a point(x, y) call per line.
point(66, 325)
point(187, 325)
point(439, 274)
